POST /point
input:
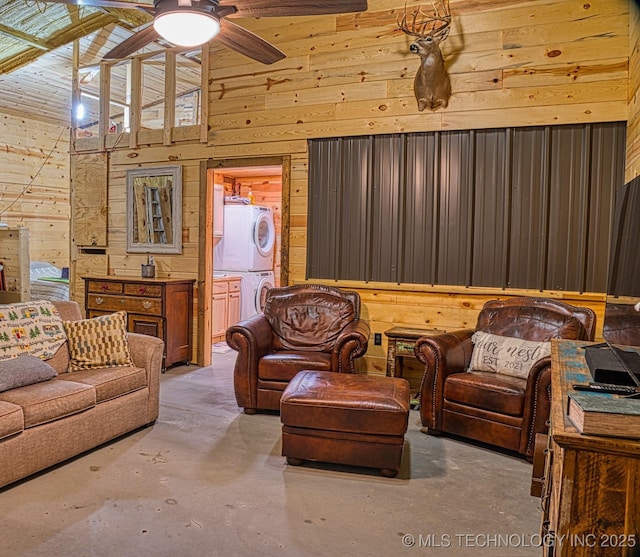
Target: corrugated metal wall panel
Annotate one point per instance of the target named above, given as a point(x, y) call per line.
point(491, 208)
point(418, 263)
point(567, 218)
point(353, 209)
point(455, 202)
point(607, 173)
point(515, 208)
point(325, 180)
point(529, 188)
point(385, 187)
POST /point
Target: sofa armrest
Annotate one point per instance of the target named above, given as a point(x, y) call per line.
point(147, 352)
point(352, 342)
point(252, 339)
point(442, 355)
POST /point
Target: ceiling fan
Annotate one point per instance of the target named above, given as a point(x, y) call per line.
point(175, 17)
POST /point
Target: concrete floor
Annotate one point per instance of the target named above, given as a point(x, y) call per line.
point(208, 480)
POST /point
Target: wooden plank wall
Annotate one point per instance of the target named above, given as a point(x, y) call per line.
point(633, 125)
point(34, 184)
point(512, 63)
point(14, 255)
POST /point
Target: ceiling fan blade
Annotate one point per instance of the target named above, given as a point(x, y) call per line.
point(106, 3)
point(281, 8)
point(245, 42)
point(133, 43)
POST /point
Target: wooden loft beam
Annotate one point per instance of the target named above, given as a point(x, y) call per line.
point(89, 25)
point(23, 37)
point(134, 18)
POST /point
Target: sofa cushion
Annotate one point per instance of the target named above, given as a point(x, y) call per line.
point(51, 400)
point(309, 321)
point(11, 419)
point(98, 342)
point(110, 382)
point(24, 370)
point(506, 355)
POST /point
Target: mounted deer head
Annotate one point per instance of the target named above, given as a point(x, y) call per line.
point(432, 86)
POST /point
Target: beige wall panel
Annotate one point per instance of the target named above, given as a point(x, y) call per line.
point(89, 179)
point(35, 190)
point(568, 53)
point(298, 237)
point(294, 115)
point(574, 93)
point(15, 259)
point(85, 265)
point(538, 116)
point(319, 95)
point(605, 70)
point(228, 78)
point(560, 32)
point(285, 147)
point(241, 103)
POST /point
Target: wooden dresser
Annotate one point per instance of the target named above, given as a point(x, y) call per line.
point(161, 308)
point(591, 485)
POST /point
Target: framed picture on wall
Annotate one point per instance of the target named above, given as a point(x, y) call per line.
point(154, 210)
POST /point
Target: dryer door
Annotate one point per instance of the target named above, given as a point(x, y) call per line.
point(264, 234)
point(264, 284)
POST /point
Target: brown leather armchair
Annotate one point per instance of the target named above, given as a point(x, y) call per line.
point(621, 324)
point(310, 326)
point(493, 408)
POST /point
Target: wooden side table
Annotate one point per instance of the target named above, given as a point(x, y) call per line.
point(401, 343)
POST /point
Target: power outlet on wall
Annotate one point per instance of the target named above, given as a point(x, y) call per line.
point(377, 339)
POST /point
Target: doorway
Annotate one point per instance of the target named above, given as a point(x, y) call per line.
point(225, 296)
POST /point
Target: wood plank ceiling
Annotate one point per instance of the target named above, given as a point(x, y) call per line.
point(36, 51)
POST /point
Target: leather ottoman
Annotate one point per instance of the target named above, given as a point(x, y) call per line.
point(345, 418)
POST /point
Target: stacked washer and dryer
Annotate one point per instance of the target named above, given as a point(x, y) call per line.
point(246, 250)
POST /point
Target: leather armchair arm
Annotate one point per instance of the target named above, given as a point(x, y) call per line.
point(442, 355)
point(252, 339)
point(537, 405)
point(352, 342)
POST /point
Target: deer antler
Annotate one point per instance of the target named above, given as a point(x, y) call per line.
point(436, 25)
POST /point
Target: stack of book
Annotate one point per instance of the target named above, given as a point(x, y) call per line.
point(605, 414)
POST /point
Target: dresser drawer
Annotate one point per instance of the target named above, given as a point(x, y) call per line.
point(105, 287)
point(147, 290)
point(130, 304)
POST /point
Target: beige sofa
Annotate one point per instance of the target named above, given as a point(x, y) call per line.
point(49, 422)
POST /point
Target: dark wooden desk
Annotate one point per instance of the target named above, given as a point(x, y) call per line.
point(401, 343)
point(590, 490)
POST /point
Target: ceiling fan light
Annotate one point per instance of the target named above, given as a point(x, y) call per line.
point(187, 27)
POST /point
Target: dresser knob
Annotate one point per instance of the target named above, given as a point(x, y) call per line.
point(146, 305)
point(99, 300)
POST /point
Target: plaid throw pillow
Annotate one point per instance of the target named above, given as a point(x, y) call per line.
point(98, 342)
